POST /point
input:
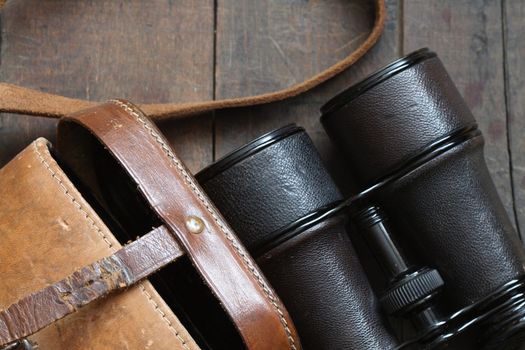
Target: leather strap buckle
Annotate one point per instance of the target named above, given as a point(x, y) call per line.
point(23, 344)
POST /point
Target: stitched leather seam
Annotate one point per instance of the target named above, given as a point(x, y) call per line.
point(137, 115)
point(93, 225)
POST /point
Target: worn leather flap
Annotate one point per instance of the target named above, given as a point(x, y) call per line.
point(48, 231)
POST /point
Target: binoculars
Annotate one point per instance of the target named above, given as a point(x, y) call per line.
point(426, 212)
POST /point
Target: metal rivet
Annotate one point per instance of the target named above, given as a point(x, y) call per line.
point(194, 224)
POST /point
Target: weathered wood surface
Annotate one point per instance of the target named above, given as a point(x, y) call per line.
point(146, 51)
point(514, 48)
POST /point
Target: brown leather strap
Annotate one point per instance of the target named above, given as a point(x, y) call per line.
point(179, 202)
point(15, 99)
point(120, 270)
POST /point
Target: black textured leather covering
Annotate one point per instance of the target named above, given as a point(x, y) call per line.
point(446, 212)
point(396, 119)
point(452, 218)
point(271, 188)
point(321, 281)
point(316, 272)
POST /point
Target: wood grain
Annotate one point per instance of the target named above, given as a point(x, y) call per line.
point(514, 26)
point(104, 49)
point(267, 45)
point(467, 37)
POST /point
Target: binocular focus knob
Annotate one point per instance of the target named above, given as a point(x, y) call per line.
point(411, 291)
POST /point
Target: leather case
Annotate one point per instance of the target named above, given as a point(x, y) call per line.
point(49, 231)
point(280, 199)
point(61, 259)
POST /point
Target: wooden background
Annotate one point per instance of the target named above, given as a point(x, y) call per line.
point(190, 50)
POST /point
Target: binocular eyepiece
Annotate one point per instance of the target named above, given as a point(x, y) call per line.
point(426, 210)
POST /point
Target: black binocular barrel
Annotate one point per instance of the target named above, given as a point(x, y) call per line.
point(275, 193)
point(407, 128)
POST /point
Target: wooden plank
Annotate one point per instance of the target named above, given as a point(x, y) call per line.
point(467, 37)
point(514, 26)
point(158, 51)
point(268, 45)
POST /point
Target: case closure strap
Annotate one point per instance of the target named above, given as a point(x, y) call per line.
point(118, 271)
